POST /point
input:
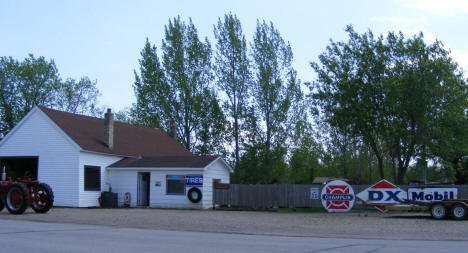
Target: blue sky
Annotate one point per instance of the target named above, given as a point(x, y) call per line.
point(103, 39)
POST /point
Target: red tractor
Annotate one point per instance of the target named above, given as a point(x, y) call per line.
point(18, 195)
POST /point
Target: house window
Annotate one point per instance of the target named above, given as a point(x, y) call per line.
point(175, 185)
point(92, 178)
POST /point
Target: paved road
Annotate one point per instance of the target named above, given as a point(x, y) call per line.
point(396, 226)
point(27, 236)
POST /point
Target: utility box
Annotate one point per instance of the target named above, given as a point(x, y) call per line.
point(109, 200)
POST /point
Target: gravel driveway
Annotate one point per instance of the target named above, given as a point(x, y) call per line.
point(413, 226)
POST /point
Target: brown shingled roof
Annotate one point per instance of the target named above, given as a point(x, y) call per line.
point(129, 140)
point(165, 162)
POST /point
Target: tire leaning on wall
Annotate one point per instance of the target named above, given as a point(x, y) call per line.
point(194, 195)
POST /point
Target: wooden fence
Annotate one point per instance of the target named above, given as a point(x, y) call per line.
point(281, 195)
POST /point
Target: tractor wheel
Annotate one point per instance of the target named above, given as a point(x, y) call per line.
point(17, 198)
point(2, 199)
point(42, 198)
point(438, 211)
point(459, 211)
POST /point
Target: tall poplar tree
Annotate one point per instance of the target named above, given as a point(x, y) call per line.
point(275, 88)
point(178, 90)
point(233, 74)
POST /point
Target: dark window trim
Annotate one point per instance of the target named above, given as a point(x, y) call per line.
point(177, 193)
point(88, 187)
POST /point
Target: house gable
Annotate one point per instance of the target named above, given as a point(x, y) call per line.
point(58, 156)
point(33, 116)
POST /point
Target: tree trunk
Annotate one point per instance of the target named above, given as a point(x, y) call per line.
point(401, 173)
point(394, 170)
point(380, 163)
point(268, 143)
point(370, 166)
point(459, 179)
point(236, 139)
point(379, 159)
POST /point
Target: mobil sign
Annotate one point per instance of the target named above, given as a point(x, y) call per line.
point(432, 193)
point(382, 193)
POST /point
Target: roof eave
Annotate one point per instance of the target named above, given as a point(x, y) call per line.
point(223, 161)
point(154, 168)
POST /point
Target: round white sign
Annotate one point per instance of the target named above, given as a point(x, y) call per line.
point(337, 196)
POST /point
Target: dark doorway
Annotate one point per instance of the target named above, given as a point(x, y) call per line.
point(19, 167)
point(143, 189)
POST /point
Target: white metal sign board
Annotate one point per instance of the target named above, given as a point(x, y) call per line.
point(381, 194)
point(314, 193)
point(432, 193)
point(337, 196)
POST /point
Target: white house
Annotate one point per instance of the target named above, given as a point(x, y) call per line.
point(81, 156)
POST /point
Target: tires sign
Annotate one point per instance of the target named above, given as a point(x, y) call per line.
point(337, 196)
point(194, 180)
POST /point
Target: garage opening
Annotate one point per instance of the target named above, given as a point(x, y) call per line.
point(16, 167)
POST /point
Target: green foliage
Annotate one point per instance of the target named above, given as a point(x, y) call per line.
point(233, 75)
point(36, 81)
point(275, 87)
point(434, 174)
point(389, 92)
point(123, 115)
point(252, 170)
point(178, 90)
point(152, 91)
point(78, 97)
point(302, 165)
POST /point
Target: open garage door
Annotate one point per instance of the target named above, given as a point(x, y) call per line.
point(19, 166)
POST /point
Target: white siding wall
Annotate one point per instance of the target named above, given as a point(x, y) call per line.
point(122, 182)
point(159, 198)
point(216, 170)
point(58, 157)
point(90, 198)
point(125, 180)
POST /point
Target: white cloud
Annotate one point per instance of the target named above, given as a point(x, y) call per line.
point(408, 22)
point(410, 26)
point(461, 57)
point(440, 7)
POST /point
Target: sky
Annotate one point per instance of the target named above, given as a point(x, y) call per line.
point(103, 39)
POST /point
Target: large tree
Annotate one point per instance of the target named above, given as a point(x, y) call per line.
point(36, 81)
point(233, 74)
point(275, 88)
point(178, 90)
point(78, 96)
point(387, 91)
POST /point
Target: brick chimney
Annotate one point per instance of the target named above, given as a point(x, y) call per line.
point(109, 129)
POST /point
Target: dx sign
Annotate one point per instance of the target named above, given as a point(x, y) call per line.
point(386, 196)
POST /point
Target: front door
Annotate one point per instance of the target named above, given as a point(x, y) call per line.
point(143, 188)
